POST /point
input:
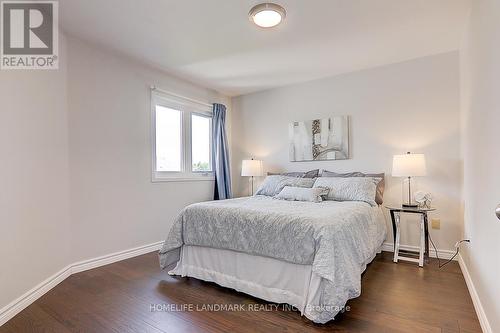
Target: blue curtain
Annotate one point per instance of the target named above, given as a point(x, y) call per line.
point(220, 154)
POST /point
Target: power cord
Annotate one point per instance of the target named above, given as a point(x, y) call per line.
point(457, 246)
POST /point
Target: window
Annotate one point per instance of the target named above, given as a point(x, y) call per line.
point(182, 139)
point(168, 139)
point(201, 132)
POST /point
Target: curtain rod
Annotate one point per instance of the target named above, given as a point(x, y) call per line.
point(154, 88)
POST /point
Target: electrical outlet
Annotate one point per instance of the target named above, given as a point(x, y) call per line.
point(436, 224)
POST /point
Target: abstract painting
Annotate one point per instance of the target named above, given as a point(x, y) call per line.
point(319, 139)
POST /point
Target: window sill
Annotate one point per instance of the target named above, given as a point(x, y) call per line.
point(156, 179)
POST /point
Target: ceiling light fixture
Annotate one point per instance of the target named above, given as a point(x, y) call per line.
point(267, 15)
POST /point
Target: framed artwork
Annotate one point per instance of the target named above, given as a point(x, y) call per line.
point(319, 139)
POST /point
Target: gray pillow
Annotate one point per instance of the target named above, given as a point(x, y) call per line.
point(379, 198)
point(349, 188)
point(309, 174)
point(302, 193)
point(273, 185)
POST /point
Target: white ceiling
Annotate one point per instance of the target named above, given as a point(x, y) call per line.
point(213, 43)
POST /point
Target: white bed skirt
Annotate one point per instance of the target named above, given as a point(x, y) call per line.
point(270, 279)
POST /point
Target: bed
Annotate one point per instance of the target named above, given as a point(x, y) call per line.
point(307, 254)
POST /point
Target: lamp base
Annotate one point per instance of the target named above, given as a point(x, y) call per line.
point(406, 205)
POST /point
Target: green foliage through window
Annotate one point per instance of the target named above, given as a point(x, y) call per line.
point(201, 166)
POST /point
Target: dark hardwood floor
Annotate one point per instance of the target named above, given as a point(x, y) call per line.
point(117, 298)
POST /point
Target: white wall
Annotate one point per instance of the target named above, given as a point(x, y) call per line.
point(114, 204)
point(481, 116)
point(76, 168)
point(410, 106)
point(34, 178)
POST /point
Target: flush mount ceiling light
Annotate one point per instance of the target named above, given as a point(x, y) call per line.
point(267, 15)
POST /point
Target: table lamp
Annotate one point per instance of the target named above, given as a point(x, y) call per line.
point(408, 165)
point(251, 168)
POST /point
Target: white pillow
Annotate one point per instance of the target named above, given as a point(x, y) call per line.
point(350, 189)
point(302, 194)
point(273, 185)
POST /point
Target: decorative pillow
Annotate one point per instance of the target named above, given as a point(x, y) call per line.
point(379, 198)
point(273, 185)
point(350, 189)
point(309, 174)
point(302, 193)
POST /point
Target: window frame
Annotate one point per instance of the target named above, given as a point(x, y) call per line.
point(187, 108)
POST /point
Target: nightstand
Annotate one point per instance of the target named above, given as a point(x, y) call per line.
point(423, 254)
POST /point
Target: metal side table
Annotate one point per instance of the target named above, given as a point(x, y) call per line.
point(423, 254)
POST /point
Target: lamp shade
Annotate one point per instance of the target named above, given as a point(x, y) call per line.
point(251, 168)
point(409, 165)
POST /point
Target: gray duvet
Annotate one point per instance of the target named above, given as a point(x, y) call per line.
point(337, 238)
